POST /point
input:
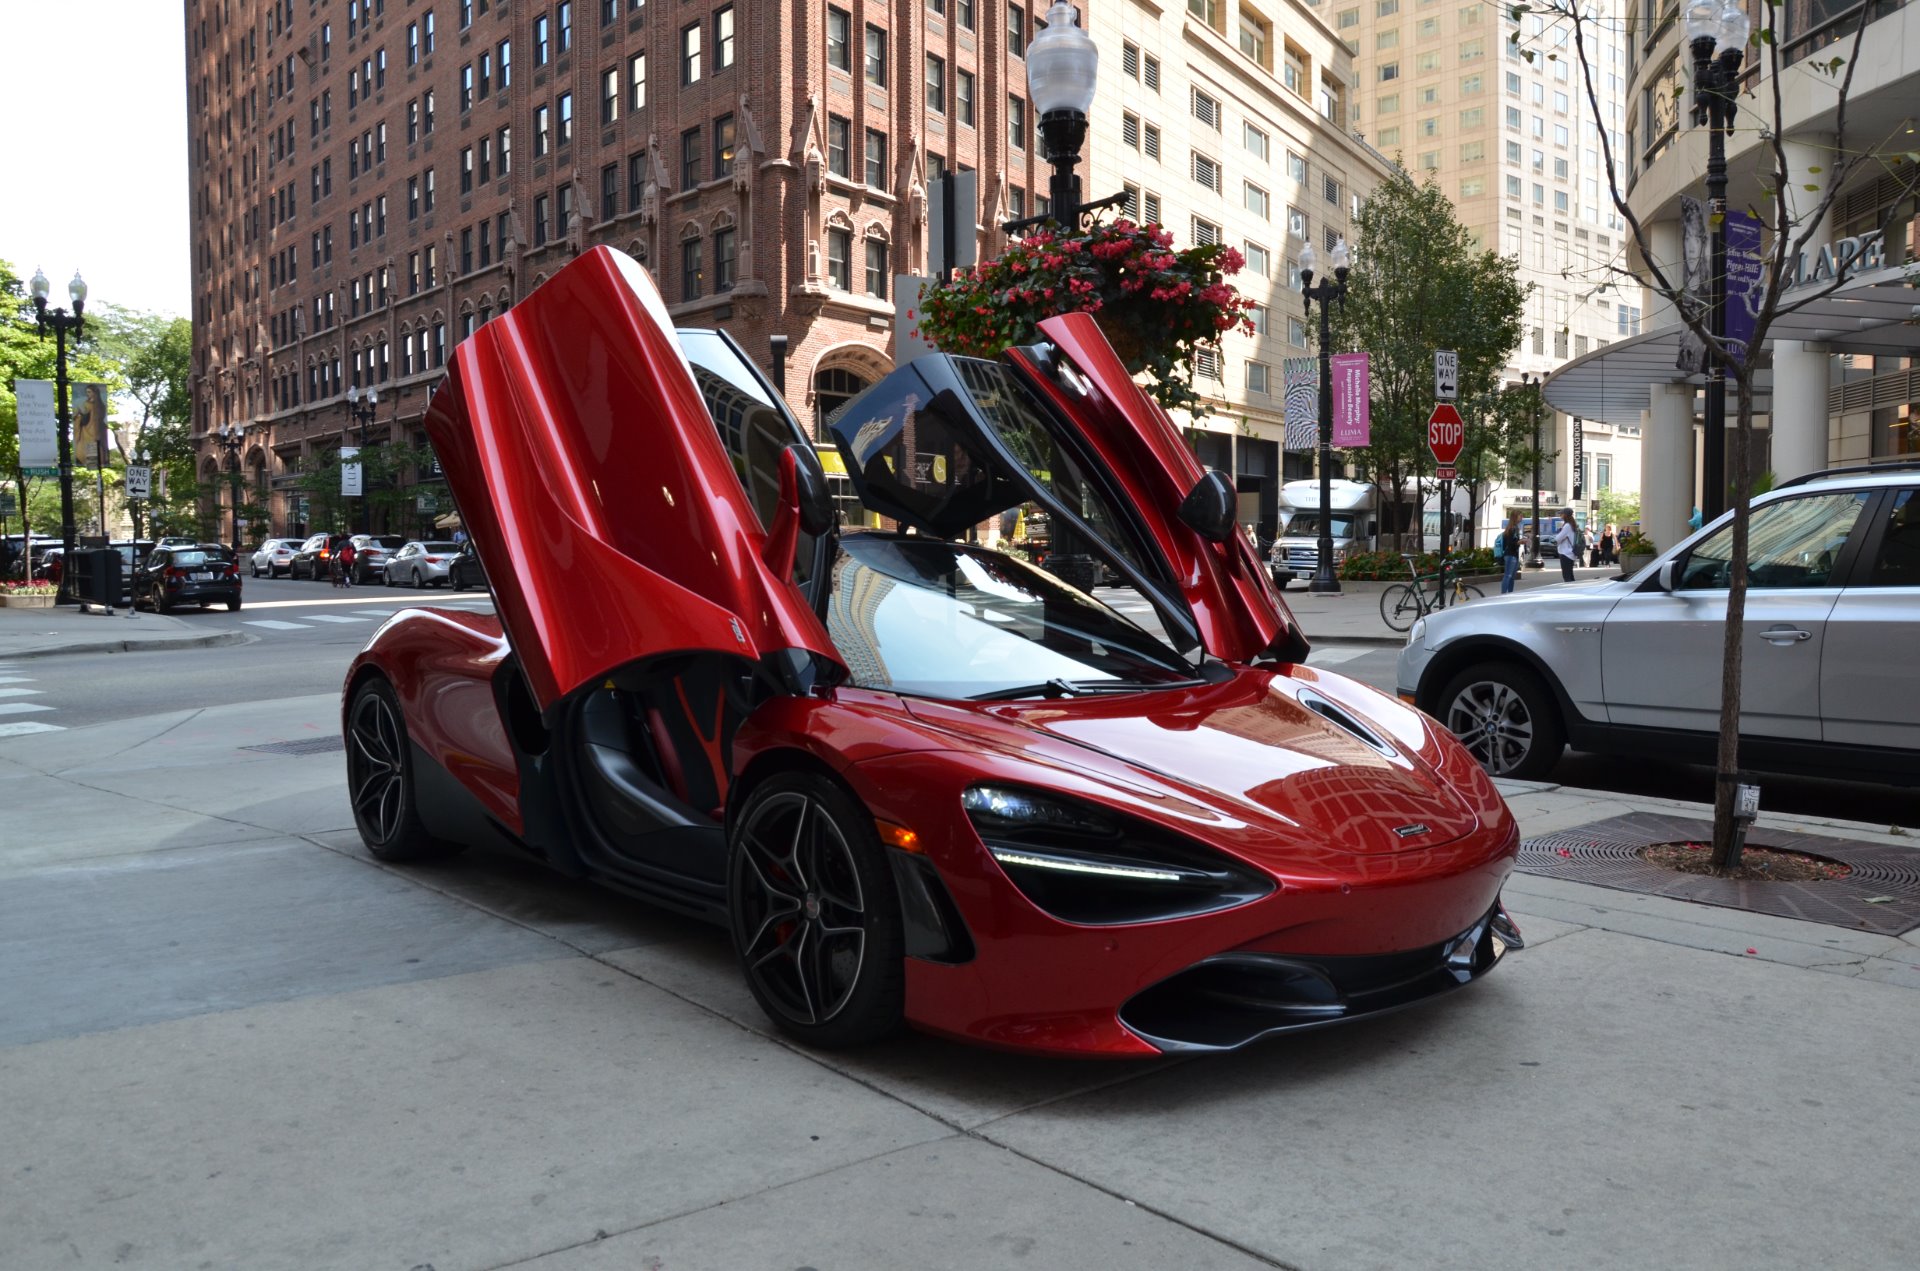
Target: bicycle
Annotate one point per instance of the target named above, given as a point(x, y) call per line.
point(1402, 604)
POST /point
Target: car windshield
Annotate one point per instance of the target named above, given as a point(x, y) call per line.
point(931, 618)
point(1307, 525)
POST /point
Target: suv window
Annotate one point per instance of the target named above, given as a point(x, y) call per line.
point(1897, 563)
point(1791, 543)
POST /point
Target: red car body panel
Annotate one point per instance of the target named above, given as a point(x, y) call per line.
point(603, 544)
point(1238, 613)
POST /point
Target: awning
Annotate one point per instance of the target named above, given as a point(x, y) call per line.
point(1873, 314)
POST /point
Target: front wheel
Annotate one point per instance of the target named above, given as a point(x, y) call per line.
point(1505, 717)
point(380, 781)
point(1399, 606)
point(815, 919)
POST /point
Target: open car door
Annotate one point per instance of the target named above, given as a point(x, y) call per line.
point(945, 442)
point(608, 513)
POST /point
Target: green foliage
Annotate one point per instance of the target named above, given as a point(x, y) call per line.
point(1157, 306)
point(1634, 543)
point(1615, 508)
point(387, 474)
point(1389, 567)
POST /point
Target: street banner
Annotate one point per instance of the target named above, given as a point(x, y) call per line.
point(1352, 388)
point(39, 425)
point(1300, 379)
point(350, 472)
point(1579, 457)
point(1746, 282)
point(89, 402)
point(160, 484)
point(908, 343)
point(139, 481)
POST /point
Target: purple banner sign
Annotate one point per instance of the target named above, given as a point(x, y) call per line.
point(1352, 386)
point(1746, 282)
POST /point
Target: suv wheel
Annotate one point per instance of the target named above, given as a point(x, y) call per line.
point(1506, 719)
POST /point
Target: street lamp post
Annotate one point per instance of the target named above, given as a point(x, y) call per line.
point(231, 439)
point(1326, 581)
point(362, 417)
point(1720, 26)
point(1533, 383)
point(62, 322)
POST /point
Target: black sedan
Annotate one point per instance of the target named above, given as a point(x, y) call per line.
point(204, 575)
point(464, 570)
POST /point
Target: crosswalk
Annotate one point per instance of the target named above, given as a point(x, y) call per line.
point(308, 621)
point(16, 692)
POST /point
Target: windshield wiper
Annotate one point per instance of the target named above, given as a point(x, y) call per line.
point(1060, 687)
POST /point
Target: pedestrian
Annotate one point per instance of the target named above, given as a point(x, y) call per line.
point(460, 537)
point(1566, 544)
point(1608, 541)
point(1507, 546)
point(345, 556)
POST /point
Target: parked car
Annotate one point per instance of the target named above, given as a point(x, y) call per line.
point(1631, 666)
point(421, 564)
point(465, 570)
point(371, 552)
point(204, 574)
point(915, 779)
point(274, 557)
point(315, 557)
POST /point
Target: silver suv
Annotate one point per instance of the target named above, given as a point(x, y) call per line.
point(1830, 679)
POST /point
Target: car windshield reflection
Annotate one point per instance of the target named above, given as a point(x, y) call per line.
point(931, 618)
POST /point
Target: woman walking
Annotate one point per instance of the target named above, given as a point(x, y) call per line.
point(1510, 553)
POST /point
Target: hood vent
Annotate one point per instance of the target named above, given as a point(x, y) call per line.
point(1338, 714)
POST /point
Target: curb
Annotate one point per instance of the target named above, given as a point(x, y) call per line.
point(136, 645)
point(1377, 641)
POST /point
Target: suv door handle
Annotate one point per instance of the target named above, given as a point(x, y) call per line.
point(1785, 635)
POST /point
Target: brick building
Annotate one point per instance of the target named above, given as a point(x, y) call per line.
point(372, 179)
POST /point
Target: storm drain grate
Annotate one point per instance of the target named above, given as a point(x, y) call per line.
point(1605, 853)
point(304, 746)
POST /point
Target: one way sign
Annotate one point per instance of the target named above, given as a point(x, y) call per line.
point(1446, 375)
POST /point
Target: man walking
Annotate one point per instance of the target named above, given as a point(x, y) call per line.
point(1566, 544)
point(1510, 553)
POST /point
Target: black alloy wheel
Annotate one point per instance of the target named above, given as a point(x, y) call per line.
point(815, 919)
point(1506, 719)
point(380, 779)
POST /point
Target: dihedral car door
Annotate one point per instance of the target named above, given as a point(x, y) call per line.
point(1236, 612)
point(599, 496)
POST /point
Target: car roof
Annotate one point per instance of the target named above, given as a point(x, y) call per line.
point(1875, 476)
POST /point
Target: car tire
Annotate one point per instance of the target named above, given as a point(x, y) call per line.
point(380, 783)
point(233, 606)
point(1505, 717)
point(814, 915)
point(160, 604)
point(419, 583)
point(256, 571)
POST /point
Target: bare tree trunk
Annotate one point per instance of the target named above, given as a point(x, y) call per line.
point(1727, 760)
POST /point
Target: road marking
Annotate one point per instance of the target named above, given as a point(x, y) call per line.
point(21, 708)
point(332, 617)
point(20, 692)
point(378, 613)
point(16, 679)
point(1337, 655)
point(25, 727)
point(272, 625)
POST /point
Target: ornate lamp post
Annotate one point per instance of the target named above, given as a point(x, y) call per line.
point(1534, 382)
point(1063, 64)
point(1326, 581)
point(231, 439)
point(362, 417)
point(1716, 27)
point(62, 322)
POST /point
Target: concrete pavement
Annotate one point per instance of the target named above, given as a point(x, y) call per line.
point(40, 633)
point(229, 1038)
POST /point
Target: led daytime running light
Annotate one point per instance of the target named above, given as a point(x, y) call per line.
point(1133, 872)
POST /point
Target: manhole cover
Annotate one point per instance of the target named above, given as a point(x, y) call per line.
point(304, 746)
point(1606, 853)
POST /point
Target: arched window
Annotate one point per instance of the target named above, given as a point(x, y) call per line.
point(833, 388)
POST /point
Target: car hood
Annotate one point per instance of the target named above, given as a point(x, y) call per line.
point(1260, 748)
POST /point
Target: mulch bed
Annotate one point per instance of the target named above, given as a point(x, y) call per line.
point(1757, 864)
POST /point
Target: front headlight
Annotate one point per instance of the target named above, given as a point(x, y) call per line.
point(1087, 865)
point(1419, 632)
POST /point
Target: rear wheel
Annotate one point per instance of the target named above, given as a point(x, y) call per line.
point(419, 583)
point(233, 606)
point(815, 919)
point(380, 779)
point(1505, 717)
point(1399, 606)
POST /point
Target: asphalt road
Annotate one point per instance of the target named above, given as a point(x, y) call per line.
point(304, 634)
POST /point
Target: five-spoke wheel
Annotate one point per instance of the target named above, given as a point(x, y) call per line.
point(380, 778)
point(814, 914)
point(1505, 718)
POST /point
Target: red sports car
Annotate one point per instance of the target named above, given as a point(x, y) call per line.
point(918, 779)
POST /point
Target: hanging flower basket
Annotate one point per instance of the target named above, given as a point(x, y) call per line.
point(1158, 307)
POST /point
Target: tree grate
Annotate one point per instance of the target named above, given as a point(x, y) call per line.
point(304, 746)
point(1606, 854)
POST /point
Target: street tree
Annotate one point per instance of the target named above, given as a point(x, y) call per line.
point(1793, 206)
point(1420, 283)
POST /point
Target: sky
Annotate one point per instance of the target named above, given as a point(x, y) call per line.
point(95, 153)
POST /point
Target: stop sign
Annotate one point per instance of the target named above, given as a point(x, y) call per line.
point(1445, 434)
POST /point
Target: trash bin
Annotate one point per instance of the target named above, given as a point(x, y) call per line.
point(98, 577)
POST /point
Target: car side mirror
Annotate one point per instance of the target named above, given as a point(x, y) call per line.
point(1668, 574)
point(1210, 506)
point(805, 506)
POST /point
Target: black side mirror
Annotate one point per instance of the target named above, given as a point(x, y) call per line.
point(805, 507)
point(1210, 506)
point(810, 489)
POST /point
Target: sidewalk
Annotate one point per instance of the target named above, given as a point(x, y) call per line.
point(230, 1038)
point(41, 633)
point(1353, 616)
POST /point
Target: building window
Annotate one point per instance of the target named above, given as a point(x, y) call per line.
point(610, 95)
point(1256, 38)
point(636, 180)
point(1206, 108)
point(839, 146)
point(1206, 172)
point(1257, 200)
point(963, 97)
point(723, 146)
point(566, 118)
point(1256, 142)
point(723, 260)
point(637, 81)
point(466, 170)
point(936, 84)
point(879, 281)
point(1209, 12)
point(565, 15)
point(690, 54)
point(1150, 140)
point(609, 192)
point(876, 64)
point(1016, 30)
point(542, 47)
point(876, 159)
point(542, 130)
point(541, 204)
point(1259, 260)
point(690, 158)
point(505, 138)
point(839, 36)
point(723, 38)
point(506, 64)
point(839, 248)
point(1205, 233)
point(690, 269)
point(1016, 122)
point(1257, 378)
point(1130, 130)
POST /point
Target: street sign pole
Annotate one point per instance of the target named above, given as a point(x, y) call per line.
point(1446, 436)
